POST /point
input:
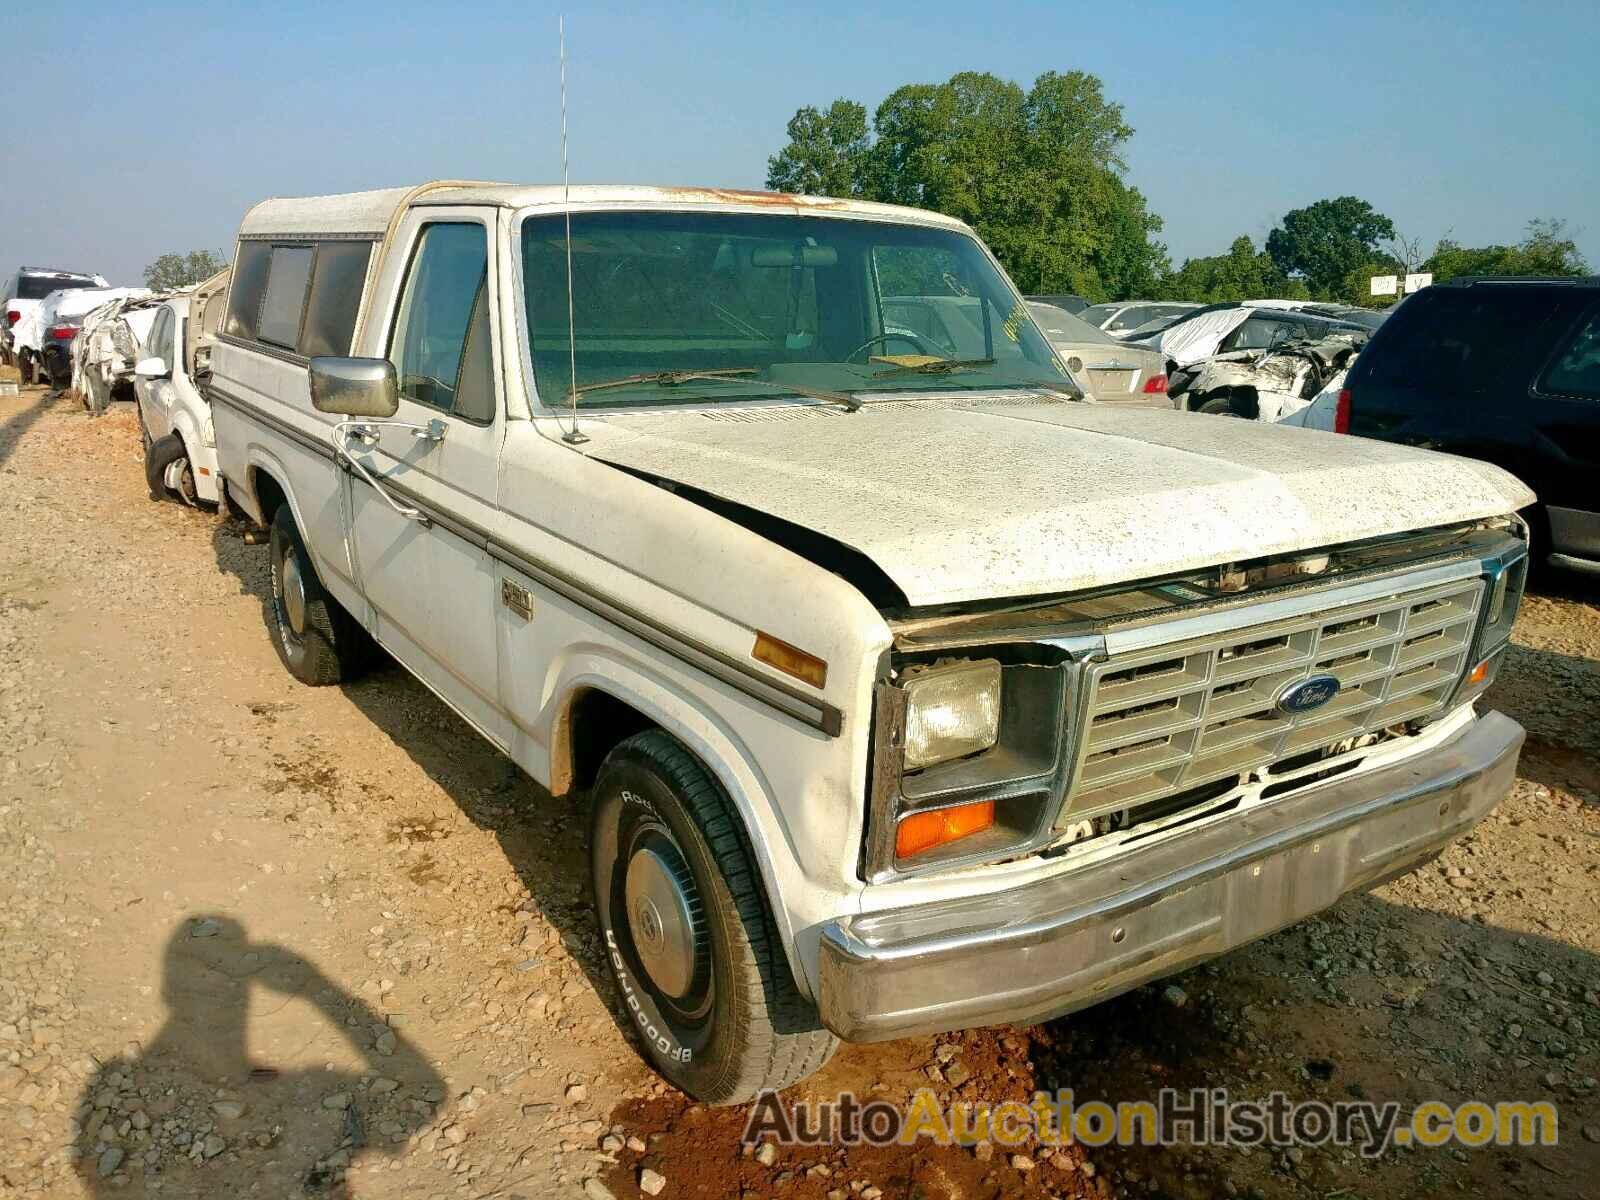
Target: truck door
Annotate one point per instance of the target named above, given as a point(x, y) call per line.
point(420, 544)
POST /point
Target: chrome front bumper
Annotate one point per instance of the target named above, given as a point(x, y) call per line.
point(1089, 934)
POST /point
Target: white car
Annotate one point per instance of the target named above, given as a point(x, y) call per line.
point(905, 690)
point(180, 445)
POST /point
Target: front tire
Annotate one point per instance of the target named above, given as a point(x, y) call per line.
point(159, 457)
point(688, 932)
point(1222, 408)
point(317, 640)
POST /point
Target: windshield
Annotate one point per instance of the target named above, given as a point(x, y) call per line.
point(37, 287)
point(769, 302)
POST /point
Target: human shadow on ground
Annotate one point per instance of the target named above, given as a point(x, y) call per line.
point(18, 423)
point(194, 1113)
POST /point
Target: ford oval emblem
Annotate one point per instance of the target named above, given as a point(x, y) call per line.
point(1307, 694)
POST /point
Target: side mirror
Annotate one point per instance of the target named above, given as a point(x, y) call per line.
point(151, 368)
point(354, 387)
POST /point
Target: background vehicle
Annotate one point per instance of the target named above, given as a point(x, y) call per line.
point(1222, 329)
point(59, 318)
point(1065, 300)
point(1109, 371)
point(1369, 317)
point(1122, 318)
point(1505, 370)
point(107, 347)
point(174, 414)
point(21, 297)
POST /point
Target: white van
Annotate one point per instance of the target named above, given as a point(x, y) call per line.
point(909, 690)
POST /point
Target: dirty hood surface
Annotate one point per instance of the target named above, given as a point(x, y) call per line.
point(1016, 495)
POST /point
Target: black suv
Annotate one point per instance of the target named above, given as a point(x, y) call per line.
point(1506, 370)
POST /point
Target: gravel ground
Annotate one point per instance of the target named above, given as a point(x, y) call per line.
point(258, 939)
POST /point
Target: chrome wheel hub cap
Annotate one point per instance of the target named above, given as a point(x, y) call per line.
point(294, 595)
point(663, 917)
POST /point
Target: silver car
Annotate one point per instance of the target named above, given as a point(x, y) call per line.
point(1111, 372)
point(1122, 317)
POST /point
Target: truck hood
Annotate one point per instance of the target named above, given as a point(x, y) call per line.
point(1017, 494)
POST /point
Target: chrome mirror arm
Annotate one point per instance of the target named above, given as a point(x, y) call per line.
point(366, 432)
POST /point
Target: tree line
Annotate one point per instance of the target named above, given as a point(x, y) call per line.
point(1039, 175)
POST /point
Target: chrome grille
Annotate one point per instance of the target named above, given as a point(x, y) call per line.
point(1162, 720)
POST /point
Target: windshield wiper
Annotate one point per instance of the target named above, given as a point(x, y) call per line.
point(721, 375)
point(1070, 390)
point(944, 366)
point(939, 366)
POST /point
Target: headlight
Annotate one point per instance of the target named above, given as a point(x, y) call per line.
point(951, 711)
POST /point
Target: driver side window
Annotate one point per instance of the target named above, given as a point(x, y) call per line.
point(440, 344)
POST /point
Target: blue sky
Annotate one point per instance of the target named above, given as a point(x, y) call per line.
point(133, 130)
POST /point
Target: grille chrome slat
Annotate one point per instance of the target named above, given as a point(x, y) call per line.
point(1166, 717)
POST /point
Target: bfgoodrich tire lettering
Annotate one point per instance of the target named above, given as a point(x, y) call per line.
point(729, 1023)
point(317, 640)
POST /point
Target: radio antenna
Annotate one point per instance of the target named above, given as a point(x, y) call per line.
point(572, 436)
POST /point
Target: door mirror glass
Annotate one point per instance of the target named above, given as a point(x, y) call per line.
point(151, 368)
point(354, 387)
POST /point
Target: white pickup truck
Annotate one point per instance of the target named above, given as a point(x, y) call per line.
point(909, 691)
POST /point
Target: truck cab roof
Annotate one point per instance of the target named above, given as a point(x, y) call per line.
point(371, 213)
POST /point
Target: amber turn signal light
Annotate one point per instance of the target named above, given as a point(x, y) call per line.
point(791, 661)
point(1479, 673)
point(925, 830)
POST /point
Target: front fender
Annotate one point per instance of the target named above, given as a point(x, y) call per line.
point(725, 754)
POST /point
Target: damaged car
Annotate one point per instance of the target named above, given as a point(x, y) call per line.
point(1287, 352)
point(1269, 384)
point(59, 319)
point(107, 347)
point(900, 689)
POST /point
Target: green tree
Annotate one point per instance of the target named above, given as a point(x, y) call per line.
point(1324, 242)
point(172, 271)
point(1243, 273)
point(1546, 249)
point(826, 154)
point(1037, 173)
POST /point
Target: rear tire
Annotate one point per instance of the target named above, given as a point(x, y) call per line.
point(317, 640)
point(688, 931)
